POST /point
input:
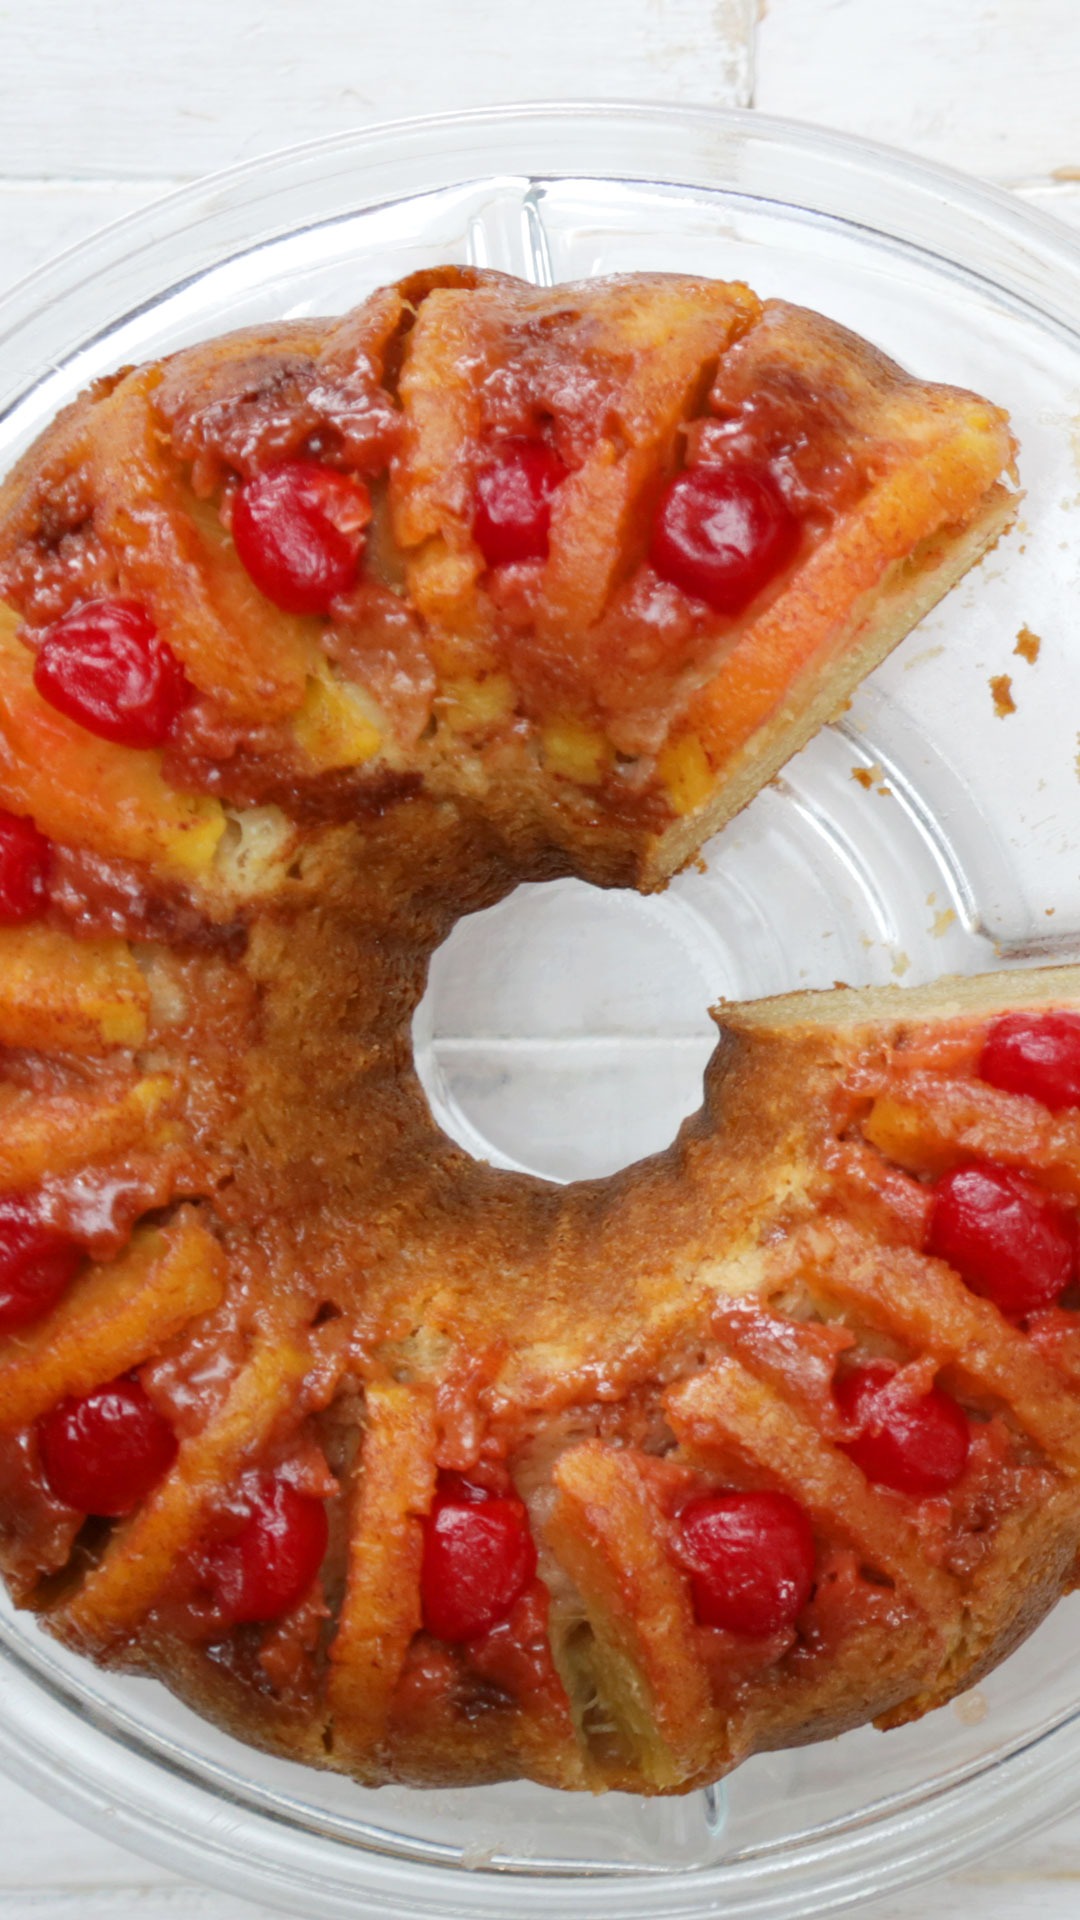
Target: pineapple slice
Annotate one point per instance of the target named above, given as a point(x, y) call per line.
point(883, 565)
point(474, 706)
point(651, 346)
point(173, 555)
point(118, 1316)
point(338, 724)
point(927, 1124)
point(144, 1552)
point(684, 768)
point(664, 340)
point(923, 1302)
point(575, 752)
point(637, 1651)
point(86, 792)
point(40, 1136)
point(727, 1416)
point(61, 994)
point(381, 1610)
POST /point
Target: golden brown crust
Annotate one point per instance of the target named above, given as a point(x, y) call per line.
point(212, 1024)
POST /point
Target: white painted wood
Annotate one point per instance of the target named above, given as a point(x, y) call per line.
point(40, 218)
point(103, 106)
point(175, 88)
point(991, 86)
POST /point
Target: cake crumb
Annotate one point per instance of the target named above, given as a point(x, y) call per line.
point(942, 921)
point(1001, 688)
point(1027, 645)
point(970, 1708)
point(900, 962)
point(476, 1859)
point(872, 776)
point(1049, 912)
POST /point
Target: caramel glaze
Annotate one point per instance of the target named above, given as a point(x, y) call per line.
point(390, 1308)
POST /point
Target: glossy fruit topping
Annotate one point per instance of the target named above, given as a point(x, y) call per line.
point(299, 532)
point(104, 666)
point(915, 1443)
point(512, 508)
point(103, 1453)
point(1004, 1240)
point(266, 1568)
point(24, 867)
point(721, 533)
point(36, 1264)
point(1037, 1054)
point(478, 1559)
point(750, 1557)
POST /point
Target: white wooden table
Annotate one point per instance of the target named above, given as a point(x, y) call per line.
point(105, 106)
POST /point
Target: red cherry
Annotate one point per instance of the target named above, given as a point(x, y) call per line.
point(478, 1559)
point(1016, 1249)
point(512, 509)
point(24, 865)
point(916, 1444)
point(36, 1264)
point(298, 529)
point(104, 666)
point(750, 1557)
point(1037, 1054)
point(721, 533)
point(102, 1453)
point(266, 1568)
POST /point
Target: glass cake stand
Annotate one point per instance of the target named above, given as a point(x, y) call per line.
point(565, 1031)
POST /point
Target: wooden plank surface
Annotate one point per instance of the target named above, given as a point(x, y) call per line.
point(129, 89)
point(986, 85)
point(104, 107)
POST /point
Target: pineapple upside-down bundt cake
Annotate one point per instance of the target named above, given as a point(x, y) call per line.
point(312, 639)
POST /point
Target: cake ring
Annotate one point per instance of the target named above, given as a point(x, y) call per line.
point(312, 639)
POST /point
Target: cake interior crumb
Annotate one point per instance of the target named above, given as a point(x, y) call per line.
point(1001, 688)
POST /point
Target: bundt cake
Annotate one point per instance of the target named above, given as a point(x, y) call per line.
point(314, 638)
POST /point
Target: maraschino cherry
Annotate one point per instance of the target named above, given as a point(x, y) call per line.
point(299, 531)
point(102, 1453)
point(721, 533)
point(478, 1559)
point(266, 1568)
point(916, 1444)
point(512, 507)
point(105, 666)
point(24, 868)
point(1005, 1242)
point(37, 1263)
point(1037, 1054)
point(750, 1557)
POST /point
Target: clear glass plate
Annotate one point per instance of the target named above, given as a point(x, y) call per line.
point(565, 1032)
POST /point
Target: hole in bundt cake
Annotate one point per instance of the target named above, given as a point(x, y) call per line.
point(565, 1031)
